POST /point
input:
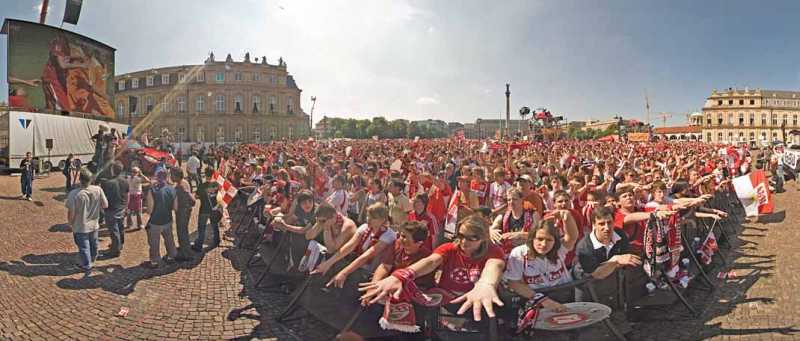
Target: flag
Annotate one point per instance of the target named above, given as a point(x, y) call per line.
point(790, 158)
point(753, 192)
point(227, 191)
point(450, 220)
point(708, 248)
point(72, 11)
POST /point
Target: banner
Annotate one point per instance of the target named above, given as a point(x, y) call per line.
point(753, 192)
point(73, 11)
point(55, 70)
point(790, 158)
point(638, 137)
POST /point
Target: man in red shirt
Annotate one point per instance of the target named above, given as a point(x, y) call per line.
point(631, 220)
point(408, 249)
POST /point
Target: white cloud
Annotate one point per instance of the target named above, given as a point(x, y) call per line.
point(427, 100)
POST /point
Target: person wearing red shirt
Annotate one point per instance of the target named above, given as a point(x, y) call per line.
point(421, 214)
point(633, 223)
point(471, 267)
point(479, 186)
point(408, 249)
point(438, 197)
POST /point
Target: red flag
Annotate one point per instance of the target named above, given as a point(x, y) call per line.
point(227, 191)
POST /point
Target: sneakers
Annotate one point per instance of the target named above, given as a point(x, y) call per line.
point(28, 198)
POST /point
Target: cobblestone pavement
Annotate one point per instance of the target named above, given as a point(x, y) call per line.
point(42, 298)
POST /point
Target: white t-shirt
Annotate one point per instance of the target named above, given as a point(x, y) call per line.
point(338, 199)
point(537, 272)
point(388, 237)
point(497, 194)
point(135, 184)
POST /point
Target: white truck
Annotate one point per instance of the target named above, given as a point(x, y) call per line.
point(50, 138)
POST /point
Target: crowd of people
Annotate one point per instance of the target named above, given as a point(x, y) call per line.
point(458, 223)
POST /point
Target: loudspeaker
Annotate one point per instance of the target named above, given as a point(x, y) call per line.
point(48, 143)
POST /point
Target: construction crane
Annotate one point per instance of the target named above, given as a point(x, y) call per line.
point(664, 116)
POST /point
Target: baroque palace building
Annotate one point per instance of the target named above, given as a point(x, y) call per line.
point(216, 102)
point(752, 116)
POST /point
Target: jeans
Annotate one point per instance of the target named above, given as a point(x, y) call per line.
point(116, 230)
point(779, 179)
point(87, 247)
point(182, 228)
point(27, 186)
point(69, 183)
point(202, 220)
point(154, 234)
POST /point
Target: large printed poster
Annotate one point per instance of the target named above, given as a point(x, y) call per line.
point(50, 69)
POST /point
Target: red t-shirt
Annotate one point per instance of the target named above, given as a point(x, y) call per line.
point(634, 231)
point(430, 221)
point(436, 203)
point(459, 272)
point(481, 190)
point(399, 259)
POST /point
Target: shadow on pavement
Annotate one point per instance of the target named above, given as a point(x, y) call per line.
point(60, 228)
point(774, 218)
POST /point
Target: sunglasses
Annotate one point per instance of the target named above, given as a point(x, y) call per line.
point(471, 238)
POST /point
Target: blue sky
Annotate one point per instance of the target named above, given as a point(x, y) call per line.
point(450, 60)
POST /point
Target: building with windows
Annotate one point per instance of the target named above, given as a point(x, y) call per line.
point(214, 102)
point(753, 116)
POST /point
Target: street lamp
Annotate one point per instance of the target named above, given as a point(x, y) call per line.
point(311, 115)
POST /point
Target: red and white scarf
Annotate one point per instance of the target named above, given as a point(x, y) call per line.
point(398, 314)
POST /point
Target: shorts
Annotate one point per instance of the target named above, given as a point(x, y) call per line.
point(135, 202)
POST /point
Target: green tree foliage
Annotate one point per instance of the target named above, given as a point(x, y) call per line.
point(381, 127)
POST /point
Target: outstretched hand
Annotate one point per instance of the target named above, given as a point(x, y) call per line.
point(483, 295)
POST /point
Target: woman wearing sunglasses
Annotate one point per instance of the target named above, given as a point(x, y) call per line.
point(471, 268)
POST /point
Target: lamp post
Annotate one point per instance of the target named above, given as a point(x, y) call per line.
point(311, 115)
point(508, 110)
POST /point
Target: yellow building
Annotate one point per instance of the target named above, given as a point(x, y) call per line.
point(217, 101)
point(752, 116)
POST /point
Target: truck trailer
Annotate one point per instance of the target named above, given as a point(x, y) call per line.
point(49, 137)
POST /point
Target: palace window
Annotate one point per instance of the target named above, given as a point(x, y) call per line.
point(720, 118)
point(237, 103)
point(181, 104)
point(719, 102)
point(256, 76)
point(219, 104)
point(794, 120)
point(200, 134)
point(181, 133)
point(752, 119)
point(763, 120)
point(181, 77)
point(752, 136)
point(199, 103)
point(237, 134)
point(237, 76)
point(120, 85)
point(741, 102)
point(256, 104)
point(201, 76)
point(741, 119)
point(257, 135)
point(220, 134)
point(289, 107)
point(774, 119)
point(149, 102)
point(135, 83)
point(785, 119)
point(220, 77)
point(752, 102)
point(120, 109)
point(165, 79)
point(273, 102)
point(149, 81)
point(708, 120)
point(730, 102)
point(164, 105)
point(730, 118)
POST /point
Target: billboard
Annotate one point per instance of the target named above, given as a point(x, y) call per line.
point(54, 70)
point(638, 137)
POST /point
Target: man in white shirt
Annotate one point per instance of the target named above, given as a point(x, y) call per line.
point(193, 168)
point(84, 205)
